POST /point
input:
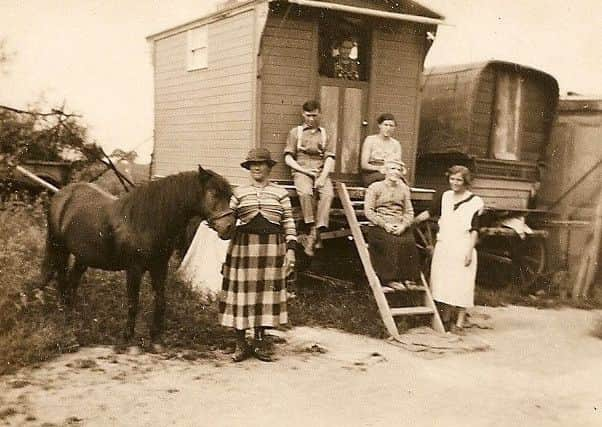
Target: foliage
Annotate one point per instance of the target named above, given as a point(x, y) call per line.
point(33, 135)
point(120, 154)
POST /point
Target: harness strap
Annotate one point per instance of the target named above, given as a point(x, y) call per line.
point(220, 215)
point(300, 146)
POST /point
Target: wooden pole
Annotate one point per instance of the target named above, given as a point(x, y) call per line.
point(579, 284)
point(37, 179)
point(594, 248)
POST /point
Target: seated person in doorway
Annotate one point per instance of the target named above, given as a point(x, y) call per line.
point(388, 206)
point(343, 65)
point(378, 148)
point(310, 155)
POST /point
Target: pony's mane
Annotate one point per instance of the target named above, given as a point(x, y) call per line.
point(158, 204)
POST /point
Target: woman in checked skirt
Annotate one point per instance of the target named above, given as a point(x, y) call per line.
point(260, 257)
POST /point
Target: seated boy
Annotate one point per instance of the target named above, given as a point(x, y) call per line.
point(310, 154)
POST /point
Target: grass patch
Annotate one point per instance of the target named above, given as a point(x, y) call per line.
point(352, 309)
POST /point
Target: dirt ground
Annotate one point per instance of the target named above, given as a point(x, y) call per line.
point(543, 368)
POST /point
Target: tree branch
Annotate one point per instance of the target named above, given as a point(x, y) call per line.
point(53, 112)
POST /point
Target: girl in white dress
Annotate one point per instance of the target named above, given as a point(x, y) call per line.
point(454, 263)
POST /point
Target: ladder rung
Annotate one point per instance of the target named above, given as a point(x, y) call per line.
point(416, 288)
point(411, 311)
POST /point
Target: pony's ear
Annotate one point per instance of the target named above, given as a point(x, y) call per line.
point(203, 174)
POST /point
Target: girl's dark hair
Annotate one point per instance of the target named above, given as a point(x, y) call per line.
point(463, 170)
point(385, 116)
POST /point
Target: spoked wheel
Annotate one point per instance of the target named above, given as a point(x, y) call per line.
point(524, 260)
point(529, 261)
point(425, 235)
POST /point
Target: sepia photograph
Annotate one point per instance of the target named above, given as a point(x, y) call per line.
point(300, 212)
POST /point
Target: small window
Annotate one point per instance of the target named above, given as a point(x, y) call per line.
point(507, 121)
point(343, 50)
point(198, 47)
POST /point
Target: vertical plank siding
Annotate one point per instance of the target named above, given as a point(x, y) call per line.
point(286, 75)
point(575, 148)
point(447, 100)
point(481, 114)
point(205, 116)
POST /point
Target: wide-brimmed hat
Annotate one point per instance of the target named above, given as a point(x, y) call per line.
point(258, 155)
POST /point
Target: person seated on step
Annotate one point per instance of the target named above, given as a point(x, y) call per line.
point(388, 207)
point(378, 148)
point(310, 155)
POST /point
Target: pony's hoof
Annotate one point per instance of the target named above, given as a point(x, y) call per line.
point(127, 339)
point(157, 348)
point(134, 350)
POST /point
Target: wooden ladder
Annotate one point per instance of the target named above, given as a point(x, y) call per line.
point(387, 312)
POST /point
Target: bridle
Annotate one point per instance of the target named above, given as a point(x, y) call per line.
point(211, 220)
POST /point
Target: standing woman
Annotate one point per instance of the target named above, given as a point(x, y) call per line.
point(454, 264)
point(379, 148)
point(260, 257)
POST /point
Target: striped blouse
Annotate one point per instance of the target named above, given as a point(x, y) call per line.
point(271, 202)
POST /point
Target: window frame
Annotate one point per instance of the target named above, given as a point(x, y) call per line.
point(197, 48)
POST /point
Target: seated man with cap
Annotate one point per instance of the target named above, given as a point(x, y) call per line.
point(309, 152)
point(388, 206)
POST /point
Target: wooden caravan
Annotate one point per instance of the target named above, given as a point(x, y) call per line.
point(571, 188)
point(494, 117)
point(237, 79)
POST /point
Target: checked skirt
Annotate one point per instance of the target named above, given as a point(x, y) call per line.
point(253, 290)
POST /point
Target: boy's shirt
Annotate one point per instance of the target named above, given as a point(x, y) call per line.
point(312, 143)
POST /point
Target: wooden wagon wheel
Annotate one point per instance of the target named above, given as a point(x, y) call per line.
point(425, 235)
point(529, 260)
point(524, 259)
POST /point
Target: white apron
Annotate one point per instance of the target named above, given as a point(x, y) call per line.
point(451, 282)
point(203, 261)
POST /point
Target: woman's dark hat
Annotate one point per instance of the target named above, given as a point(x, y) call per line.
point(258, 155)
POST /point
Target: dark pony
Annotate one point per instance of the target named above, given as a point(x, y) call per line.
point(135, 233)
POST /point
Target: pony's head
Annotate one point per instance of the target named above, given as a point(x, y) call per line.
point(216, 203)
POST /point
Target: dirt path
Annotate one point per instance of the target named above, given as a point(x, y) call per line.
point(543, 369)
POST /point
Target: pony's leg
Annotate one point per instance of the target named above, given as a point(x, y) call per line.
point(52, 258)
point(48, 268)
point(158, 276)
point(75, 276)
point(60, 262)
point(134, 276)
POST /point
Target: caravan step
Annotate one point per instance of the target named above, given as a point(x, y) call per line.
point(411, 311)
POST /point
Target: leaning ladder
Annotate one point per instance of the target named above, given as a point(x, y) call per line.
point(387, 312)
